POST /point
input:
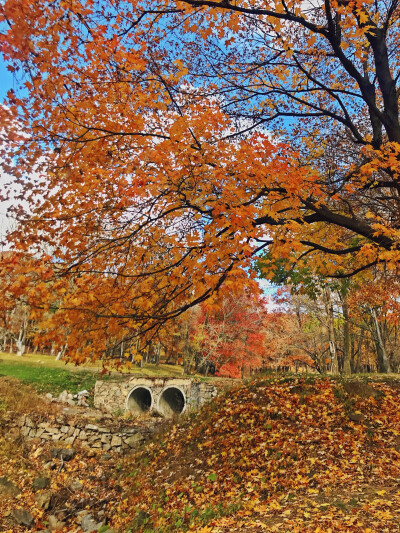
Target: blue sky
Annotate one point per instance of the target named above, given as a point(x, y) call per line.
point(6, 83)
point(6, 79)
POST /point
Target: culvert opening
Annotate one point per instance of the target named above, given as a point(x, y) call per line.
point(140, 400)
point(172, 401)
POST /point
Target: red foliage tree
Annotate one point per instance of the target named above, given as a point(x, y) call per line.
point(230, 334)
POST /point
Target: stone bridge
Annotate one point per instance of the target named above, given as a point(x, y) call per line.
point(166, 396)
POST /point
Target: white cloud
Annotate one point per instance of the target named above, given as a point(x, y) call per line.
point(7, 221)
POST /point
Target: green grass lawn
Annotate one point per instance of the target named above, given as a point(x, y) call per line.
point(46, 374)
point(48, 378)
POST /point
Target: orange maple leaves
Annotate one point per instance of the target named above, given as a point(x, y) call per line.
point(156, 177)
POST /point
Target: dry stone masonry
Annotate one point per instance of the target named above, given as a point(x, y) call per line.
point(101, 429)
point(163, 396)
point(68, 431)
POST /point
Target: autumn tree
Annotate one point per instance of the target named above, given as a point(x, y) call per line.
point(360, 317)
point(224, 335)
point(230, 334)
point(23, 282)
point(283, 349)
point(147, 128)
point(375, 308)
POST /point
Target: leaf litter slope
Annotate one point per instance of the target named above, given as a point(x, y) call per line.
point(280, 455)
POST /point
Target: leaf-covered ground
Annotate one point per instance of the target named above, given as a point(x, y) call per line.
point(84, 485)
point(283, 455)
point(290, 455)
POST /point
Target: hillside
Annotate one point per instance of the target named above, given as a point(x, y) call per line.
point(283, 454)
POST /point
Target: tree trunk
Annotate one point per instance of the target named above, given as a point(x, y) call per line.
point(383, 360)
point(20, 342)
point(188, 353)
point(346, 338)
point(147, 353)
point(356, 357)
point(61, 352)
point(157, 354)
point(331, 332)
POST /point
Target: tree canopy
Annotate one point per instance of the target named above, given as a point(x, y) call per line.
point(163, 145)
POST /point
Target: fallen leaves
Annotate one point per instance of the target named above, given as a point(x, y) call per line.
point(264, 457)
point(280, 461)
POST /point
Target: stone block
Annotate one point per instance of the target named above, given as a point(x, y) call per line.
point(40, 483)
point(66, 453)
point(42, 499)
point(116, 441)
point(8, 488)
point(134, 440)
point(23, 517)
point(55, 523)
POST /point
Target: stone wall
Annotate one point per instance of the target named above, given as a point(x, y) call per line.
point(68, 431)
point(101, 429)
point(118, 396)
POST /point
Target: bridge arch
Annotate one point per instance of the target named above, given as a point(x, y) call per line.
point(139, 400)
point(172, 401)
